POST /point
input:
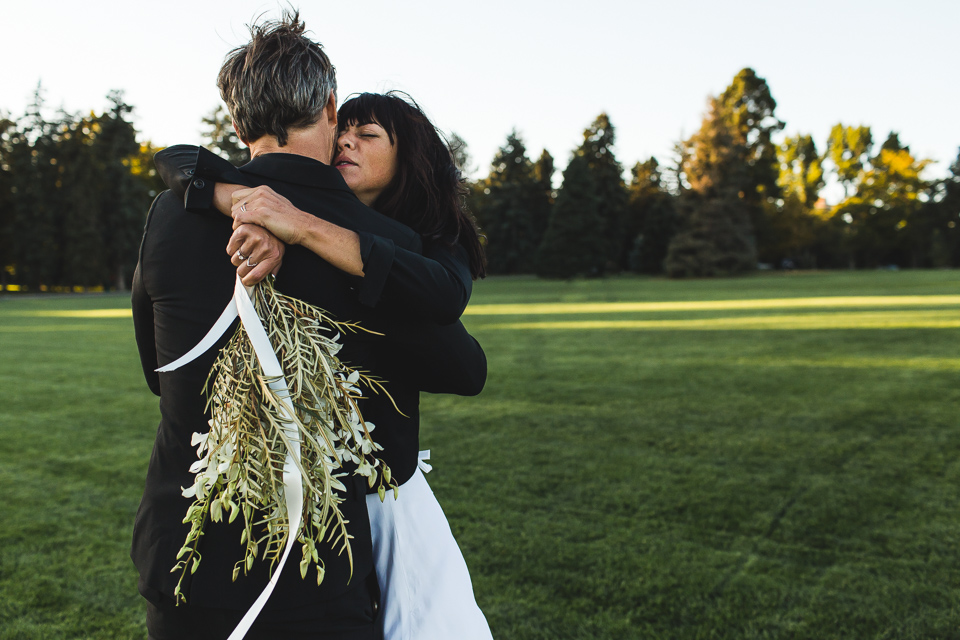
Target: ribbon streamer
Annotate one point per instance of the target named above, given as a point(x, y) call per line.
point(422, 458)
point(242, 305)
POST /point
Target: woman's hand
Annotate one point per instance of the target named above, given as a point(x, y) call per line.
point(265, 207)
point(255, 252)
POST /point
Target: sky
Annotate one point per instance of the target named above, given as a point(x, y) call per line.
point(544, 68)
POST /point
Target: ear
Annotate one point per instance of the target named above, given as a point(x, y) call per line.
point(237, 131)
point(330, 110)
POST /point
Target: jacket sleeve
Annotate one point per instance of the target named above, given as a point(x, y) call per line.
point(191, 172)
point(437, 359)
point(433, 287)
point(143, 318)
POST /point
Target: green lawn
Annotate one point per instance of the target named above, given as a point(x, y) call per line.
point(785, 471)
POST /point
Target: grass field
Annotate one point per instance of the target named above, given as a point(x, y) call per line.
point(650, 459)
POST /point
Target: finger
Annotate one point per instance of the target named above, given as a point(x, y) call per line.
point(257, 273)
point(236, 241)
point(243, 254)
point(241, 194)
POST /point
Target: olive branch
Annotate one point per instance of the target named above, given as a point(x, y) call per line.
point(240, 470)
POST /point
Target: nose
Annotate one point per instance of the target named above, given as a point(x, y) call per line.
point(345, 141)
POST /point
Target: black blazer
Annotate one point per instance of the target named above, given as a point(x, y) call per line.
point(183, 281)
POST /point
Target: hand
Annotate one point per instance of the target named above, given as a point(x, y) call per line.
point(265, 207)
point(255, 252)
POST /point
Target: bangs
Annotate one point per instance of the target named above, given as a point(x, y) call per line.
point(369, 108)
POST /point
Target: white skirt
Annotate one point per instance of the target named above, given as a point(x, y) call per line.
point(425, 589)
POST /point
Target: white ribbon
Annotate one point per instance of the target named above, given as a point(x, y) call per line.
point(422, 458)
point(242, 305)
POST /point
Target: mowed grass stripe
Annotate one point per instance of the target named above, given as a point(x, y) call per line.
point(826, 302)
point(805, 322)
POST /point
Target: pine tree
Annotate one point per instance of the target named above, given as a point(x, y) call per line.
point(33, 187)
point(512, 210)
point(223, 139)
point(81, 197)
point(122, 210)
point(7, 132)
point(542, 196)
point(716, 240)
point(597, 149)
point(651, 220)
point(731, 167)
point(574, 244)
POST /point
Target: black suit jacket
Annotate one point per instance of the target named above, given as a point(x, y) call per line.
point(183, 281)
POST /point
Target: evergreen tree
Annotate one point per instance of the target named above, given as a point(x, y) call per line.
point(223, 139)
point(716, 235)
point(33, 187)
point(574, 244)
point(7, 129)
point(716, 239)
point(942, 217)
point(747, 108)
point(81, 198)
point(597, 148)
point(512, 210)
point(542, 197)
point(651, 219)
point(731, 167)
point(122, 211)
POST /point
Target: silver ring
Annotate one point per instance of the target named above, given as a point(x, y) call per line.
point(243, 207)
point(249, 264)
point(240, 255)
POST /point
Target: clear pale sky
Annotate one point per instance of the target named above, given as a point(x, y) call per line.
point(546, 68)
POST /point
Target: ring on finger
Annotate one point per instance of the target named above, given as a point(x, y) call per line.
point(251, 264)
point(240, 256)
point(243, 207)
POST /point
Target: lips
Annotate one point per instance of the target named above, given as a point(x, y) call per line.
point(343, 161)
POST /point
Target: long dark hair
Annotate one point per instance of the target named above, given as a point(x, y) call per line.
point(428, 194)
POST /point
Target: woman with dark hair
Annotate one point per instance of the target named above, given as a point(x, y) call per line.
point(395, 161)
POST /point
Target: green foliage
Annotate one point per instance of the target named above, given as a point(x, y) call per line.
point(790, 230)
point(848, 148)
point(514, 211)
point(574, 244)
point(716, 238)
point(883, 212)
point(651, 219)
point(74, 192)
point(223, 138)
point(731, 167)
point(597, 149)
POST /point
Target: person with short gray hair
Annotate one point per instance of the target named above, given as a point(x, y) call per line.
point(280, 80)
point(184, 279)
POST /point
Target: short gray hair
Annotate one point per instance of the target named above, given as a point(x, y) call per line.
point(278, 81)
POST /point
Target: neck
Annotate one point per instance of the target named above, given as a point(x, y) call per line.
point(312, 142)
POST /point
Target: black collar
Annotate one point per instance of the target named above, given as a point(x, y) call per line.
point(296, 169)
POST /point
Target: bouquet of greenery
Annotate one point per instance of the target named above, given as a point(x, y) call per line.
point(243, 457)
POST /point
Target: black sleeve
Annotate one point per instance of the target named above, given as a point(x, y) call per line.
point(437, 359)
point(192, 172)
point(434, 287)
point(143, 319)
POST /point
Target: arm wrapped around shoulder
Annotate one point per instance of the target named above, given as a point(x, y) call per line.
point(437, 359)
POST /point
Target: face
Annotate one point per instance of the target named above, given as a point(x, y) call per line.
point(366, 159)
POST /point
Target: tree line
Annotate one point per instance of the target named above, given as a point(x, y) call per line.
point(74, 191)
point(730, 200)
